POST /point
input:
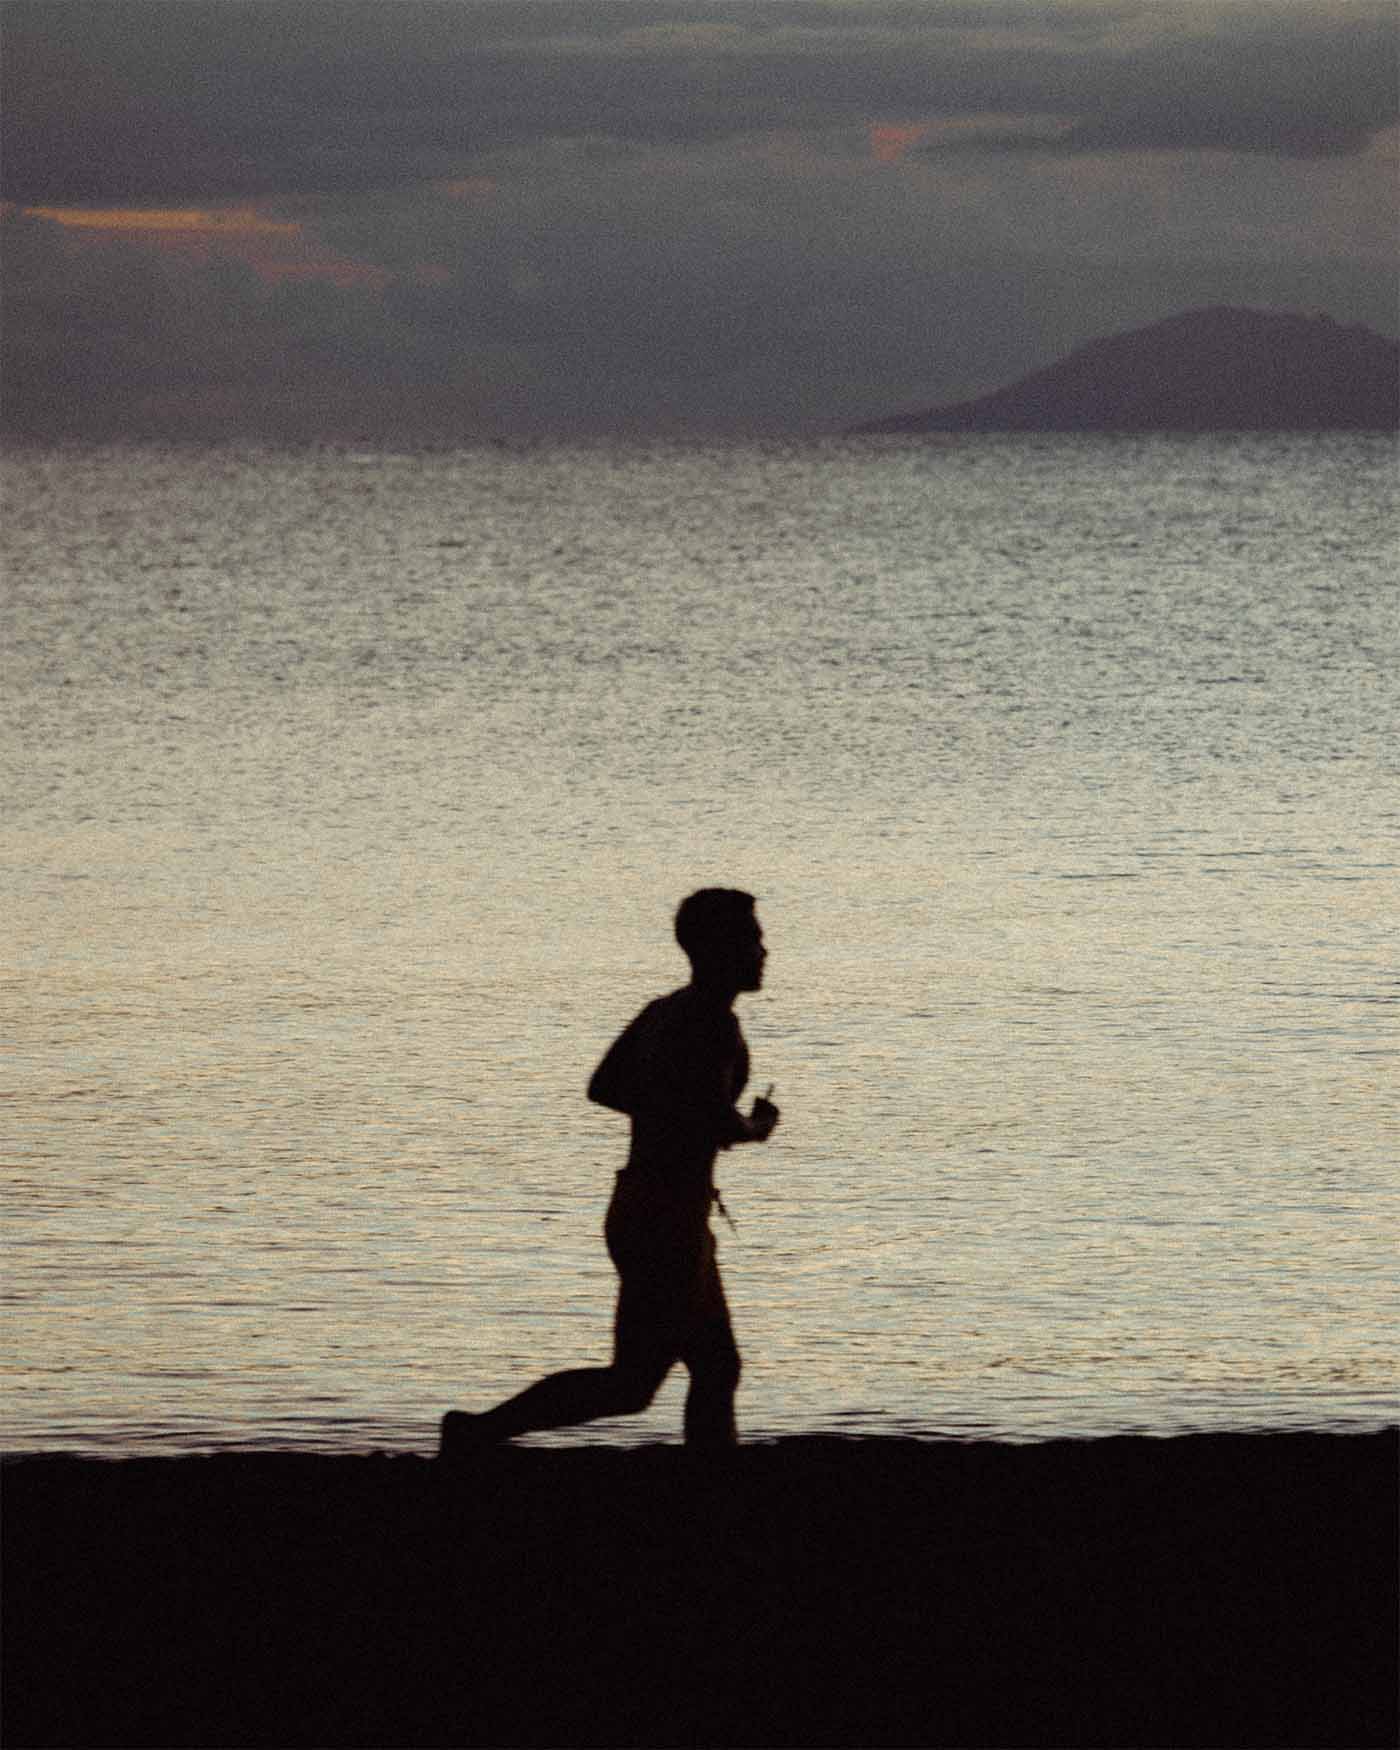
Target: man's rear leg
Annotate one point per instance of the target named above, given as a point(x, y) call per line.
point(560, 1400)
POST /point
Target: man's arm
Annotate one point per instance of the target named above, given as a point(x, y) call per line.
point(721, 1065)
point(662, 1070)
point(758, 1125)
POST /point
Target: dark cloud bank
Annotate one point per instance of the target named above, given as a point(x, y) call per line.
point(197, 101)
point(604, 216)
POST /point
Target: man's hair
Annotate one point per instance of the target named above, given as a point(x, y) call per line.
point(710, 915)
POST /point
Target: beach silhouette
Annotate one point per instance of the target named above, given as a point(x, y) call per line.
point(676, 1072)
point(1227, 1590)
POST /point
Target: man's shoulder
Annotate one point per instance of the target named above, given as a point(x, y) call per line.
point(660, 1007)
point(684, 1010)
point(675, 1009)
point(683, 1000)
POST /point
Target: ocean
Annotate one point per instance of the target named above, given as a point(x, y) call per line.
point(348, 798)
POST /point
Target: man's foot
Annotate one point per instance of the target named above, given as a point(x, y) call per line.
point(462, 1435)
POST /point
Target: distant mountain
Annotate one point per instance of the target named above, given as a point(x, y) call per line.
point(1206, 370)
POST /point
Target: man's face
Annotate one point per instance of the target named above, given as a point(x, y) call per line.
point(749, 956)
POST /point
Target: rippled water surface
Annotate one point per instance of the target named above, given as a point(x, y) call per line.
point(347, 799)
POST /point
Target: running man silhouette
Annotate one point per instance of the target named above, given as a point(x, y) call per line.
point(676, 1071)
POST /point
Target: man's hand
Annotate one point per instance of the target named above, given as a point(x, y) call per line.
point(764, 1117)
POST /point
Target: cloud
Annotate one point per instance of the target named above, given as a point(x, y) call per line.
point(276, 249)
point(237, 99)
point(530, 216)
point(1291, 83)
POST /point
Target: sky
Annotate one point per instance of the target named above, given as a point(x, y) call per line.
point(517, 218)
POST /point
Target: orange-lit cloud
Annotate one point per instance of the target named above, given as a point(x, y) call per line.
point(889, 141)
point(229, 222)
point(275, 249)
point(467, 188)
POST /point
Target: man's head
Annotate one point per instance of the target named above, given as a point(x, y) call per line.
point(721, 937)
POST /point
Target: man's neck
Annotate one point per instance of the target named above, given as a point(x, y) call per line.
point(714, 994)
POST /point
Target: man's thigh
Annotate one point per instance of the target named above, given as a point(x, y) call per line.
point(710, 1344)
point(648, 1330)
point(707, 1344)
point(673, 1308)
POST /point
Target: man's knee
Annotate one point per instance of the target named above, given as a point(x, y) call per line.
point(716, 1367)
point(635, 1388)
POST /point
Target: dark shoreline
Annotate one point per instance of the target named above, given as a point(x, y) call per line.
point(1210, 1590)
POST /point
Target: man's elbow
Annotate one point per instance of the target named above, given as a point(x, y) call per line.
point(604, 1093)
